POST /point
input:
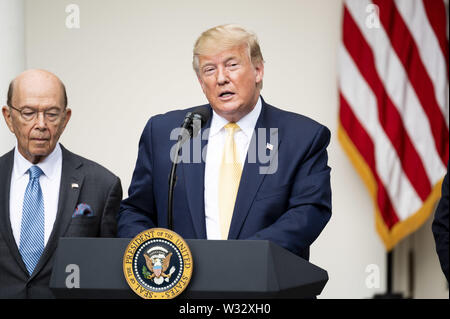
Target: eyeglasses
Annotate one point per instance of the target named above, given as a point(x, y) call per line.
point(29, 114)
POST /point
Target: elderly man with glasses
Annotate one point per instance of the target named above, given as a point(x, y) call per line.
point(46, 192)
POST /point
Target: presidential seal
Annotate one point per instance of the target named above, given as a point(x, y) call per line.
point(157, 264)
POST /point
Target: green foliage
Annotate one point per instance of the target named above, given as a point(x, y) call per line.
point(145, 272)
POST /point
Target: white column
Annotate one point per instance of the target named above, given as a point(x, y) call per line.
point(12, 57)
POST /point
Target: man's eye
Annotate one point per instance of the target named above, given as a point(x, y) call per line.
point(28, 113)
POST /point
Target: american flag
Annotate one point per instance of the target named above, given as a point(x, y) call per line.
point(394, 107)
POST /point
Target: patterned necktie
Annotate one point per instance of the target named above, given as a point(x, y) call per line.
point(229, 178)
point(31, 243)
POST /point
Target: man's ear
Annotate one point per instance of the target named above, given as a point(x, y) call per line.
point(259, 69)
point(7, 116)
point(67, 117)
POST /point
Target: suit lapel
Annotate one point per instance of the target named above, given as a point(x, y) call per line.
point(7, 164)
point(194, 179)
point(254, 170)
point(68, 198)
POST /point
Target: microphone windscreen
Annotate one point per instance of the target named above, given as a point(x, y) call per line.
point(204, 113)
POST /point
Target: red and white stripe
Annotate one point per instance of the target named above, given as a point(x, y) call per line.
point(394, 103)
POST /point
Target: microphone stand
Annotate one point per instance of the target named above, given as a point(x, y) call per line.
point(190, 128)
point(172, 181)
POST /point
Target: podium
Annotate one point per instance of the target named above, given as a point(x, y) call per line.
point(226, 269)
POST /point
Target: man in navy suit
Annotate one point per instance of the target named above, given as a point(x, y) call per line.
point(278, 182)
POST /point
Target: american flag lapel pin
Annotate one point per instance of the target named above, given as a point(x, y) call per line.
point(75, 185)
point(269, 146)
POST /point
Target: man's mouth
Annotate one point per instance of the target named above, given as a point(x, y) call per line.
point(37, 139)
point(226, 95)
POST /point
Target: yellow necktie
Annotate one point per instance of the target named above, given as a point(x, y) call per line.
point(229, 178)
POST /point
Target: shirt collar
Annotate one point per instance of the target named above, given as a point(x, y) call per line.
point(48, 165)
point(247, 123)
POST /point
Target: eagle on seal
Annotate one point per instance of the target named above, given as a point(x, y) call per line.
point(158, 268)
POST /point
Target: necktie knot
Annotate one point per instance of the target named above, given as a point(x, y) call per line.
point(35, 172)
point(231, 128)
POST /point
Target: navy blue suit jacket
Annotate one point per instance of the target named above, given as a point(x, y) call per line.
point(290, 206)
point(440, 226)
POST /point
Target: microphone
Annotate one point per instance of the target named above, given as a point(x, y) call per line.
point(202, 113)
point(192, 124)
point(200, 117)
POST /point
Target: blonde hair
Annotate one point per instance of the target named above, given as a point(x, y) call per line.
point(224, 37)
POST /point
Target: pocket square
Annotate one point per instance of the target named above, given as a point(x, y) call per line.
point(83, 210)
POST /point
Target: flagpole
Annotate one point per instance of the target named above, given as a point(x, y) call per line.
point(389, 270)
point(389, 294)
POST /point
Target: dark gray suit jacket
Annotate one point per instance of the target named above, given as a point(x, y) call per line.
point(97, 187)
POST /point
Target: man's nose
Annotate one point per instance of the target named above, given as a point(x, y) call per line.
point(40, 120)
point(222, 76)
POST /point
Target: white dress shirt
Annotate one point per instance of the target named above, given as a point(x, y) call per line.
point(50, 182)
point(216, 141)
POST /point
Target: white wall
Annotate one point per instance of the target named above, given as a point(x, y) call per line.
point(130, 60)
point(12, 56)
